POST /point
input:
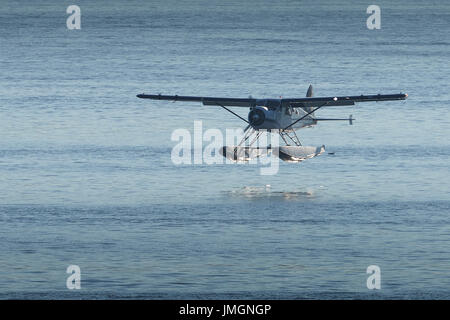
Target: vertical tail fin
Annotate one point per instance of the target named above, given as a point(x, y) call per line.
point(309, 93)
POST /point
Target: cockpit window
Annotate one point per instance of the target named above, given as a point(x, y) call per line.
point(288, 110)
point(269, 103)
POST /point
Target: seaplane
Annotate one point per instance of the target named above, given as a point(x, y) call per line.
point(283, 116)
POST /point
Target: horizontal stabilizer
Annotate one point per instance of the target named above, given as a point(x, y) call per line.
point(349, 119)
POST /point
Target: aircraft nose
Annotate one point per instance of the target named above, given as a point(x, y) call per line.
point(256, 117)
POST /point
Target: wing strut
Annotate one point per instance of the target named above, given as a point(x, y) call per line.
point(312, 111)
point(232, 112)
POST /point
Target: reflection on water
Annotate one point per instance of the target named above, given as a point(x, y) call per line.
point(259, 192)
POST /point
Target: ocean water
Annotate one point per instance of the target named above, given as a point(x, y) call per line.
point(86, 176)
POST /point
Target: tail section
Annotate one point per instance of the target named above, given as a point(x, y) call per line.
point(309, 94)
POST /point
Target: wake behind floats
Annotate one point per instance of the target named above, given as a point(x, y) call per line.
point(284, 116)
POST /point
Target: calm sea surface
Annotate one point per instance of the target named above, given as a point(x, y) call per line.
point(86, 176)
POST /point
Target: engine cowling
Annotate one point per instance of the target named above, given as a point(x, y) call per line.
point(256, 116)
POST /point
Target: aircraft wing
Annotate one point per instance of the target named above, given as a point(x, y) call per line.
point(207, 101)
point(341, 101)
point(295, 102)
